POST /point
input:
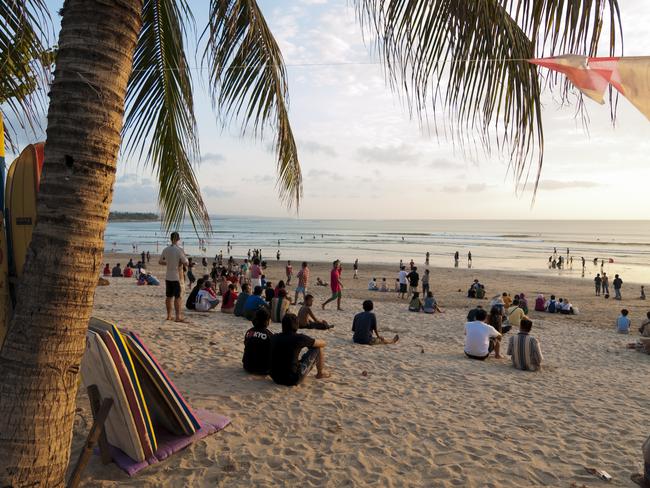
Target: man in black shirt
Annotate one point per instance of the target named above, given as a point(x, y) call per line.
point(190, 303)
point(257, 345)
point(287, 368)
point(414, 279)
point(364, 324)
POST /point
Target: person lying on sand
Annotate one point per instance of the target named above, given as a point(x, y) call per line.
point(524, 348)
point(257, 345)
point(364, 324)
point(287, 366)
point(480, 338)
point(307, 319)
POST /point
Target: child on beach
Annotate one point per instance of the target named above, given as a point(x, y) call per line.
point(307, 319)
point(257, 345)
point(364, 324)
point(415, 304)
point(623, 322)
point(384, 285)
point(372, 285)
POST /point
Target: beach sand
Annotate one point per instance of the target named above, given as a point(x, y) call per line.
point(424, 415)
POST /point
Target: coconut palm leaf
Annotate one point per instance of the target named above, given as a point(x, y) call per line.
point(249, 82)
point(24, 63)
point(160, 127)
point(469, 58)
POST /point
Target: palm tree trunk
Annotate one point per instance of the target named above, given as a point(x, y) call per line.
point(39, 362)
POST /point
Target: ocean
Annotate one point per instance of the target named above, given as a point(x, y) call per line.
point(522, 245)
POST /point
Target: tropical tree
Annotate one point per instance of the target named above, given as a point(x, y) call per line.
point(128, 57)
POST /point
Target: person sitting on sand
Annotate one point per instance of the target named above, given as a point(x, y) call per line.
point(307, 319)
point(254, 302)
point(507, 300)
point(287, 367)
point(415, 305)
point(229, 300)
point(471, 293)
point(480, 338)
point(128, 272)
point(384, 285)
point(117, 271)
point(524, 349)
point(495, 319)
point(241, 300)
point(206, 298)
point(551, 305)
point(151, 280)
point(471, 315)
point(623, 322)
point(430, 304)
point(190, 303)
point(130, 263)
point(523, 303)
point(280, 305)
point(257, 345)
point(568, 308)
point(269, 292)
point(372, 285)
point(320, 282)
point(515, 313)
point(107, 270)
point(281, 286)
point(364, 324)
point(540, 303)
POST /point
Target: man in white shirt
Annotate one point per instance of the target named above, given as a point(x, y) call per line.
point(403, 281)
point(481, 338)
point(174, 258)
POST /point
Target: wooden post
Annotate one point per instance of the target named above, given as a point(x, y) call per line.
point(95, 404)
point(96, 433)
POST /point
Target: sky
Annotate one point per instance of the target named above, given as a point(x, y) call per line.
point(362, 155)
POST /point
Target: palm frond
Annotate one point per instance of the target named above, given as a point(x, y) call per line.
point(160, 127)
point(24, 64)
point(249, 82)
point(469, 57)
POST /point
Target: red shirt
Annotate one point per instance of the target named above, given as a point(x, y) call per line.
point(335, 280)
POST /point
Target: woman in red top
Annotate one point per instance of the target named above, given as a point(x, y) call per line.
point(335, 285)
point(229, 299)
point(107, 270)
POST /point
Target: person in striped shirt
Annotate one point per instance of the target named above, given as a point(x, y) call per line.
point(524, 348)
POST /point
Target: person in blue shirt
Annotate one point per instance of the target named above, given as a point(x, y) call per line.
point(254, 303)
point(623, 322)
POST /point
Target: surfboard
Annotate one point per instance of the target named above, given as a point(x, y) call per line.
point(97, 368)
point(23, 181)
point(169, 410)
point(130, 368)
point(188, 411)
point(5, 303)
point(129, 390)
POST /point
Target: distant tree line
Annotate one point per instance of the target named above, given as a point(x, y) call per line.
point(132, 216)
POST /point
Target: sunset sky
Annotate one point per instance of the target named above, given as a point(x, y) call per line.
point(362, 157)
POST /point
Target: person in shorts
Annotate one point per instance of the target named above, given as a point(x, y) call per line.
point(364, 324)
point(307, 319)
point(480, 338)
point(403, 281)
point(173, 257)
point(287, 366)
point(303, 281)
point(335, 285)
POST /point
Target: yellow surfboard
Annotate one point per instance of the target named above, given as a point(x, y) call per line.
point(5, 303)
point(23, 181)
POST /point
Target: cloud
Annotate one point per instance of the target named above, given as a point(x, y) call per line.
point(143, 194)
point(127, 178)
point(323, 174)
point(469, 188)
point(317, 148)
point(391, 154)
point(212, 158)
point(554, 185)
point(212, 192)
point(442, 163)
point(260, 179)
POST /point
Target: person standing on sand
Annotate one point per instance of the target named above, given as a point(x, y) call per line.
point(335, 285)
point(303, 281)
point(402, 281)
point(618, 283)
point(277, 255)
point(597, 283)
point(355, 267)
point(426, 258)
point(414, 279)
point(605, 285)
point(425, 283)
point(469, 259)
point(456, 259)
point(173, 257)
point(289, 272)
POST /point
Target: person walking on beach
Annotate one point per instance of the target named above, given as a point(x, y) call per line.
point(355, 267)
point(426, 258)
point(289, 272)
point(583, 262)
point(335, 285)
point(425, 283)
point(597, 283)
point(303, 281)
point(277, 255)
point(618, 283)
point(456, 259)
point(173, 257)
point(143, 256)
point(469, 259)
